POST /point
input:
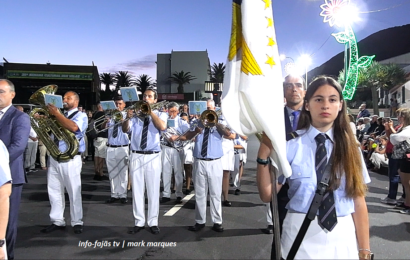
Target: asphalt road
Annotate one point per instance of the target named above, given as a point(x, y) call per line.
point(105, 225)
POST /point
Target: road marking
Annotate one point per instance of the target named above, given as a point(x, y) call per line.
point(177, 207)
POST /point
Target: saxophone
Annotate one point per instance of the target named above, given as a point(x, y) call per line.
point(45, 124)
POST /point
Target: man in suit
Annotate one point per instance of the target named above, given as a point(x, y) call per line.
point(294, 89)
point(14, 132)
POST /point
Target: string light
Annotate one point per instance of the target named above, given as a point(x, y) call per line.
point(338, 12)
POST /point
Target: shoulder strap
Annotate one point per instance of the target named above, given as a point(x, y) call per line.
point(291, 135)
point(317, 200)
point(73, 114)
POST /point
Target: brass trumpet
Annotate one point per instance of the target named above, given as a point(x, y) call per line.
point(209, 118)
point(143, 109)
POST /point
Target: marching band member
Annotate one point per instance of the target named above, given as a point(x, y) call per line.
point(171, 158)
point(228, 161)
point(187, 158)
point(117, 156)
point(145, 163)
point(208, 171)
point(67, 175)
point(341, 228)
point(240, 159)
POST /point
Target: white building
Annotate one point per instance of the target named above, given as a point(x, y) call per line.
point(401, 92)
point(195, 62)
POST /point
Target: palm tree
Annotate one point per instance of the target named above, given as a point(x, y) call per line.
point(123, 79)
point(108, 80)
point(143, 82)
point(181, 78)
point(217, 73)
point(379, 76)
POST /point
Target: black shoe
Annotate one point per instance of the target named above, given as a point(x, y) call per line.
point(78, 229)
point(187, 192)
point(123, 200)
point(237, 192)
point(179, 200)
point(52, 228)
point(135, 230)
point(165, 199)
point(111, 200)
point(268, 230)
point(227, 203)
point(154, 230)
point(105, 178)
point(218, 228)
point(97, 178)
point(196, 227)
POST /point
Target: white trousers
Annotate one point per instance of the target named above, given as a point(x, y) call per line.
point(235, 172)
point(319, 244)
point(65, 175)
point(117, 166)
point(43, 152)
point(268, 214)
point(208, 176)
point(30, 155)
point(171, 159)
point(145, 170)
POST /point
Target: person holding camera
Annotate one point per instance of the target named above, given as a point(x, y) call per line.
point(404, 170)
point(379, 156)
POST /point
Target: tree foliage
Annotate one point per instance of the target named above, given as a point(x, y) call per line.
point(378, 76)
point(143, 82)
point(181, 78)
point(217, 73)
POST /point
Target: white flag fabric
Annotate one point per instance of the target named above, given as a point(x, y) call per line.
point(252, 98)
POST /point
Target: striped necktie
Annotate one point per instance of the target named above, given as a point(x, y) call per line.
point(115, 131)
point(144, 135)
point(204, 150)
point(327, 210)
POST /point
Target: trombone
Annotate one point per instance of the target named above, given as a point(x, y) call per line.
point(208, 118)
point(113, 114)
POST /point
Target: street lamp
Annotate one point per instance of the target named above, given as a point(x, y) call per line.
point(305, 60)
point(290, 67)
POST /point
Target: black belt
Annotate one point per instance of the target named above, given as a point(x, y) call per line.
point(116, 146)
point(168, 145)
point(79, 153)
point(208, 159)
point(144, 152)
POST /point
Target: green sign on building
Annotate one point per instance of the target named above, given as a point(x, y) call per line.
point(49, 75)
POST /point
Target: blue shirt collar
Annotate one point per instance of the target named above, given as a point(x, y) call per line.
point(312, 132)
point(71, 111)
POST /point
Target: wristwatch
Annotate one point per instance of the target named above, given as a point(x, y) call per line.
point(369, 256)
point(262, 161)
point(2, 242)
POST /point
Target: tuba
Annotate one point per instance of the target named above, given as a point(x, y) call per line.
point(44, 125)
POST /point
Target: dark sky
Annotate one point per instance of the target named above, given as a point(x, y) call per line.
point(128, 34)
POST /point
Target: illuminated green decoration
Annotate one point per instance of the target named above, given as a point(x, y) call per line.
point(336, 12)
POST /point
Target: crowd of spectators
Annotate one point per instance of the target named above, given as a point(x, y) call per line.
point(377, 137)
